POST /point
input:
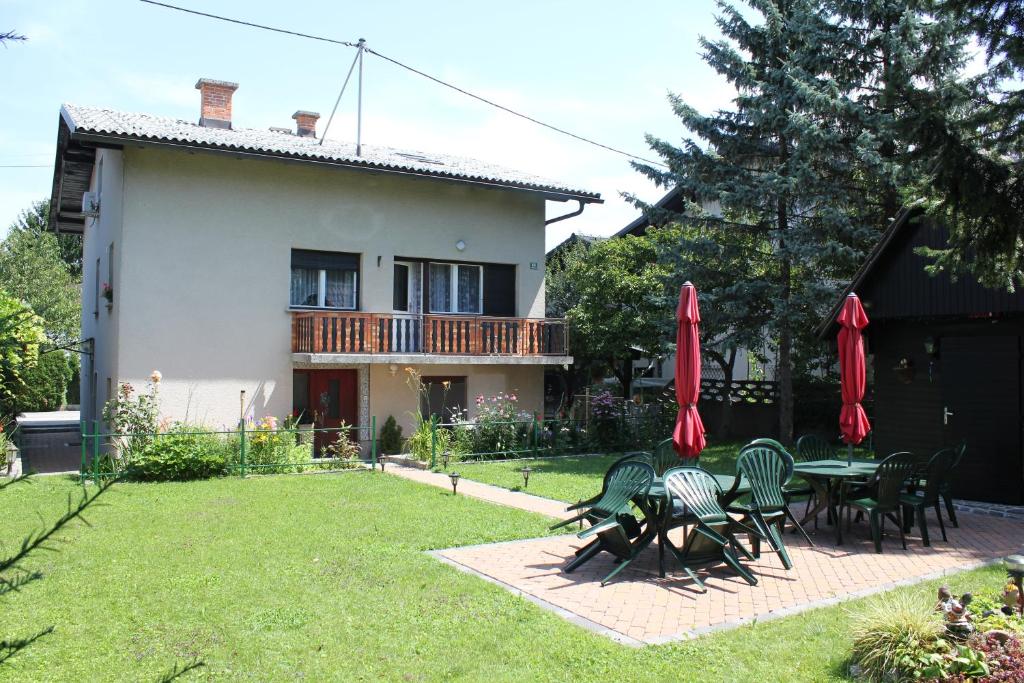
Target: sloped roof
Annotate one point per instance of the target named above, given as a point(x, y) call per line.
point(828, 324)
point(674, 200)
point(98, 125)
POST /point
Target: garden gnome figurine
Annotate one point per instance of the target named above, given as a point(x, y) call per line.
point(1010, 597)
point(958, 621)
point(945, 597)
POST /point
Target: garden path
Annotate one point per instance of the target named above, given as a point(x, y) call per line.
point(492, 494)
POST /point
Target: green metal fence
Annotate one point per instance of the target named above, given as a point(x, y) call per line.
point(537, 436)
point(247, 449)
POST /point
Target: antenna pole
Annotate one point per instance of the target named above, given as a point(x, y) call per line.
point(359, 106)
point(358, 58)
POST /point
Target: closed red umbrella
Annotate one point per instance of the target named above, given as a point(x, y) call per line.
point(688, 435)
point(853, 423)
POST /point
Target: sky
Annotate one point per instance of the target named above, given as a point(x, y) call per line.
point(594, 68)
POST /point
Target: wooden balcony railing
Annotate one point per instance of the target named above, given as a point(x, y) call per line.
point(358, 332)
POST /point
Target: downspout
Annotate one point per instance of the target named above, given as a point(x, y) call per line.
point(577, 212)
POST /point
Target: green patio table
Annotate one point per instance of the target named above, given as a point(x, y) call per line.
point(825, 476)
point(657, 502)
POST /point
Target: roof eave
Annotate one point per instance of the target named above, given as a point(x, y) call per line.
point(99, 138)
point(904, 216)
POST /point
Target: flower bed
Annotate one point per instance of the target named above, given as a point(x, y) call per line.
point(959, 639)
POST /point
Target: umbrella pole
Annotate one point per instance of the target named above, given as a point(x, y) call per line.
point(849, 454)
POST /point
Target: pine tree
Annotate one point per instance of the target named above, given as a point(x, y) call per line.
point(977, 183)
point(779, 167)
point(898, 72)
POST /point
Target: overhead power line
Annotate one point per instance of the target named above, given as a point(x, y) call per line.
point(416, 71)
point(512, 111)
point(249, 23)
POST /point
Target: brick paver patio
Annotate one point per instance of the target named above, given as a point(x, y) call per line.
point(639, 608)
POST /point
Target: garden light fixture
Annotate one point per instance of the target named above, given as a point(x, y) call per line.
point(930, 347)
point(526, 476)
point(444, 458)
point(454, 476)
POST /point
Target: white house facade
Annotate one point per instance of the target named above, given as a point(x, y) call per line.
point(308, 276)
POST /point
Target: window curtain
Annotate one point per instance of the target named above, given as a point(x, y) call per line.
point(341, 289)
point(469, 289)
point(440, 288)
point(305, 282)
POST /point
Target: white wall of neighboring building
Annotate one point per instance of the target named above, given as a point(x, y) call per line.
point(202, 290)
point(100, 322)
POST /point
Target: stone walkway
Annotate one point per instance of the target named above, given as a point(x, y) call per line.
point(993, 509)
point(492, 494)
point(639, 608)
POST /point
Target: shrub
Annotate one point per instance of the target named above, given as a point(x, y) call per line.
point(133, 418)
point(460, 442)
point(390, 437)
point(344, 448)
point(270, 450)
point(499, 425)
point(420, 444)
point(45, 384)
point(894, 638)
point(183, 453)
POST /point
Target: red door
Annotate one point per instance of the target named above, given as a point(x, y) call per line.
point(332, 399)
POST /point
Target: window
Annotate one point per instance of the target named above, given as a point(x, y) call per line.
point(401, 287)
point(455, 288)
point(444, 397)
point(96, 291)
point(110, 266)
point(300, 397)
point(324, 279)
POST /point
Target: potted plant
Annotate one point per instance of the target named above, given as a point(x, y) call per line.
point(108, 293)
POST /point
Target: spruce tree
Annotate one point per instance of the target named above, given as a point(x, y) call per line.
point(977, 184)
point(898, 71)
point(778, 166)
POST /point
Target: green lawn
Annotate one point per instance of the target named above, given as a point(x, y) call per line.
point(576, 478)
point(323, 577)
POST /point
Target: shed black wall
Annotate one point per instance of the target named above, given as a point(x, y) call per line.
point(908, 407)
point(899, 287)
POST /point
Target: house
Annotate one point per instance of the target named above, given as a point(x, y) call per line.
point(945, 357)
point(306, 273)
point(658, 372)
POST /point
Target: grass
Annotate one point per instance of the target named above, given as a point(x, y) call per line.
point(573, 478)
point(324, 577)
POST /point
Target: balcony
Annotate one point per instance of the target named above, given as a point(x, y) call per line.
point(334, 336)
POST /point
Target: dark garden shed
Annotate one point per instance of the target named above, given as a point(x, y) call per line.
point(945, 361)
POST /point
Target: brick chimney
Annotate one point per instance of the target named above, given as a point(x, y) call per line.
point(215, 108)
point(305, 123)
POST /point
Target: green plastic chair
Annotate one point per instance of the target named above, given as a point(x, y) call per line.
point(635, 456)
point(812, 447)
point(665, 458)
point(693, 495)
point(945, 491)
point(765, 441)
point(767, 470)
point(936, 473)
point(612, 521)
point(887, 483)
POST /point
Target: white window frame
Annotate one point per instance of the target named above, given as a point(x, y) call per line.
point(454, 277)
point(321, 292)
